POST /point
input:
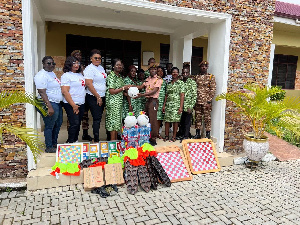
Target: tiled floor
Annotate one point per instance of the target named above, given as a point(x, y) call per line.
point(235, 195)
point(63, 134)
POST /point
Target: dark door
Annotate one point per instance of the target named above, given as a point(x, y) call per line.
point(128, 51)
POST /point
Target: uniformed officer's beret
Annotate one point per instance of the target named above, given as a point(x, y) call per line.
point(203, 62)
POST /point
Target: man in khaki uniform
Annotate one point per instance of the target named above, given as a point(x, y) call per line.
point(206, 89)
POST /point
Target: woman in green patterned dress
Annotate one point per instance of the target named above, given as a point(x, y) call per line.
point(114, 98)
point(131, 104)
point(173, 105)
point(161, 99)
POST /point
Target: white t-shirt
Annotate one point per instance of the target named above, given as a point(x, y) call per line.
point(76, 83)
point(48, 80)
point(98, 75)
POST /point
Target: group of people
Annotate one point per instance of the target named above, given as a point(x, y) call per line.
point(169, 97)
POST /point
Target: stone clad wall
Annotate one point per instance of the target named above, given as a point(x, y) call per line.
point(13, 159)
point(250, 44)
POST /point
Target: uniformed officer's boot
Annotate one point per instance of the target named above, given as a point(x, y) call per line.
point(208, 134)
point(197, 136)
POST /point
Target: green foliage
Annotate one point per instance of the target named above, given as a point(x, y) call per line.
point(28, 135)
point(8, 189)
point(255, 104)
point(9, 98)
point(279, 96)
point(288, 135)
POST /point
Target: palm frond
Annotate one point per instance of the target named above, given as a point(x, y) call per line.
point(292, 103)
point(8, 98)
point(255, 104)
point(28, 135)
point(291, 123)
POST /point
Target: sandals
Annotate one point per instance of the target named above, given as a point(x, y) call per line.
point(160, 137)
point(172, 139)
point(166, 138)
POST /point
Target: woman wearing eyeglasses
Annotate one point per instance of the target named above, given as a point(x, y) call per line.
point(73, 90)
point(95, 78)
point(48, 86)
point(114, 99)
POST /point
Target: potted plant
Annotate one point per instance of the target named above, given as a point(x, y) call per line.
point(28, 135)
point(258, 104)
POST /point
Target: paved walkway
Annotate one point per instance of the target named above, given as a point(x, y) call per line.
point(236, 195)
point(282, 149)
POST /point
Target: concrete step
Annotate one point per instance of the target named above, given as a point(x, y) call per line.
point(41, 178)
point(46, 160)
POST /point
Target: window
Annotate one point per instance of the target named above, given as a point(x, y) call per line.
point(164, 54)
point(128, 51)
point(197, 57)
point(284, 71)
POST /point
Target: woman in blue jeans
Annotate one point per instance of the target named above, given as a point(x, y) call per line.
point(48, 86)
point(73, 90)
point(95, 78)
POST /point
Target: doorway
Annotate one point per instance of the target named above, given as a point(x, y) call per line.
point(128, 51)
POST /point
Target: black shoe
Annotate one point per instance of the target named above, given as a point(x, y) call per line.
point(87, 137)
point(183, 138)
point(208, 134)
point(153, 143)
point(197, 136)
point(119, 137)
point(179, 137)
point(50, 150)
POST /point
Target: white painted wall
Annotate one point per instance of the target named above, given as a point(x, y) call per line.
point(296, 2)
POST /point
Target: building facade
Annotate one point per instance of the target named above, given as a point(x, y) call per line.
point(234, 36)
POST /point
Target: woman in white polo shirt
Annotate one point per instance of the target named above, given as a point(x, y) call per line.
point(73, 90)
point(95, 78)
point(48, 86)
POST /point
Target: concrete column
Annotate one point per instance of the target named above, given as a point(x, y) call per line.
point(176, 49)
point(41, 51)
point(218, 58)
point(271, 64)
point(180, 50)
point(29, 66)
point(187, 48)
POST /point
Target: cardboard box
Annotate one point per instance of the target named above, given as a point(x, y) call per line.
point(114, 174)
point(93, 177)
